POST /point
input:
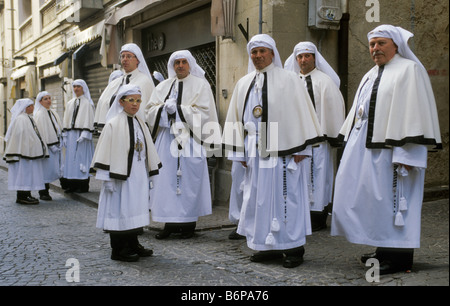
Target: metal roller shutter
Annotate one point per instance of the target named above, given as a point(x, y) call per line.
point(96, 77)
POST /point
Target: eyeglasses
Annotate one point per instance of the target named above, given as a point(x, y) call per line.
point(131, 100)
point(126, 56)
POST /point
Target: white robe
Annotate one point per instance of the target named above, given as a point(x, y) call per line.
point(127, 207)
point(50, 128)
point(330, 110)
point(366, 206)
point(78, 154)
point(275, 192)
point(236, 192)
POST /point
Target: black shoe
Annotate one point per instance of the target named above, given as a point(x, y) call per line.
point(124, 255)
point(315, 227)
point(265, 256)
point(69, 190)
point(162, 234)
point(45, 197)
point(292, 261)
point(366, 257)
point(235, 236)
point(187, 235)
point(294, 257)
point(28, 201)
point(388, 267)
point(318, 220)
point(143, 252)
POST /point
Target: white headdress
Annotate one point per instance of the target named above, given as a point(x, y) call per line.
point(18, 108)
point(133, 48)
point(116, 108)
point(158, 75)
point(195, 69)
point(86, 91)
point(400, 37)
point(115, 75)
point(37, 104)
point(321, 64)
point(262, 40)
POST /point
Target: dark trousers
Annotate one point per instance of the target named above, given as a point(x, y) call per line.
point(180, 227)
point(121, 240)
point(76, 185)
point(397, 256)
point(22, 195)
point(45, 191)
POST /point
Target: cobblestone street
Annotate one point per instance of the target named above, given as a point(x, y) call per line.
point(37, 241)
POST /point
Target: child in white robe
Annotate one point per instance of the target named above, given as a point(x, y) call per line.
point(24, 153)
point(124, 160)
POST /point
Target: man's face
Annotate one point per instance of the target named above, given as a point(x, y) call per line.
point(382, 50)
point(78, 89)
point(181, 67)
point(131, 103)
point(306, 62)
point(46, 101)
point(128, 61)
point(261, 57)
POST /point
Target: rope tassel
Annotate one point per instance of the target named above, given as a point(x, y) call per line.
point(403, 204)
point(270, 239)
point(275, 225)
point(399, 219)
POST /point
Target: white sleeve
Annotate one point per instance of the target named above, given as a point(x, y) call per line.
point(102, 175)
point(411, 154)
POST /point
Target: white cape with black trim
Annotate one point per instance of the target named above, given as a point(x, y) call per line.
point(115, 147)
point(288, 110)
point(84, 115)
point(196, 109)
point(24, 141)
point(49, 125)
point(405, 107)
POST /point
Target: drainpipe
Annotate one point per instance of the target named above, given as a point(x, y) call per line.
point(343, 35)
point(343, 39)
point(260, 16)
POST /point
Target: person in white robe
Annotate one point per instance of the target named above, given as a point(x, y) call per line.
point(78, 128)
point(124, 160)
point(390, 128)
point(236, 197)
point(24, 153)
point(271, 124)
point(135, 71)
point(50, 127)
point(322, 84)
point(183, 121)
point(157, 77)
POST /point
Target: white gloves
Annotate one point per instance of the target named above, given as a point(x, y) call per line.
point(109, 186)
point(54, 149)
point(85, 135)
point(64, 140)
point(170, 106)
